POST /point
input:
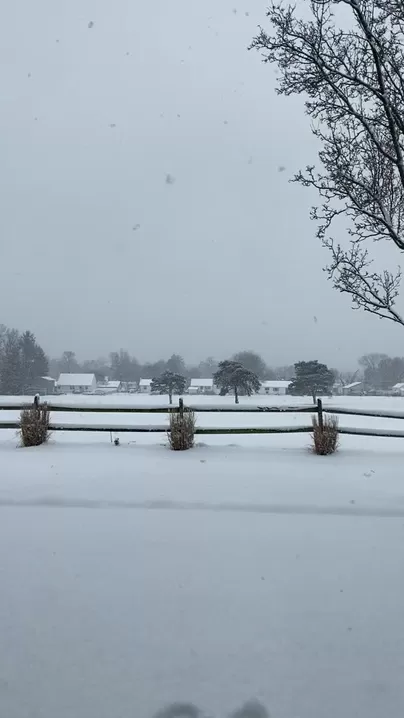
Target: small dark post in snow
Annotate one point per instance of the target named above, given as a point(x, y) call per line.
point(320, 414)
point(181, 407)
point(36, 401)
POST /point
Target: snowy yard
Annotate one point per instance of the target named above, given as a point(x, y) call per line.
point(133, 576)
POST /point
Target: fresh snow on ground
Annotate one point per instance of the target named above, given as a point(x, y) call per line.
point(133, 576)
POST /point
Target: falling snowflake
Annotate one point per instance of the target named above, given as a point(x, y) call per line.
point(170, 179)
point(247, 14)
point(136, 227)
point(281, 168)
point(112, 125)
point(90, 25)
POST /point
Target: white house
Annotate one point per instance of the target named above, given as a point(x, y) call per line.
point(355, 388)
point(109, 387)
point(274, 387)
point(76, 384)
point(398, 389)
point(144, 386)
point(202, 386)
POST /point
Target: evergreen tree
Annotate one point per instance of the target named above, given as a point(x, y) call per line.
point(232, 376)
point(11, 376)
point(313, 378)
point(34, 363)
point(168, 383)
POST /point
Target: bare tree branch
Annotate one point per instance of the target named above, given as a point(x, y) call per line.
point(348, 61)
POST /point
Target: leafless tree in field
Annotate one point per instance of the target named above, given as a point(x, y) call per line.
point(347, 58)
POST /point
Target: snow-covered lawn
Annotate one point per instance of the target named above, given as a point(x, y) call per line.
point(132, 576)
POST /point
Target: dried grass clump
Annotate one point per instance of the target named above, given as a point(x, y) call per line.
point(34, 425)
point(325, 440)
point(182, 430)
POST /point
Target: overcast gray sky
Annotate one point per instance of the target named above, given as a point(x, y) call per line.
point(98, 250)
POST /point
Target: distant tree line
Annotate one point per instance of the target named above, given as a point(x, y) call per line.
point(122, 366)
point(381, 372)
point(23, 361)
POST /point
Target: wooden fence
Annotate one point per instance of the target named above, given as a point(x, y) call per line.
point(318, 410)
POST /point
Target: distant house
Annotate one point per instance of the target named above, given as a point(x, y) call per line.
point(398, 389)
point(109, 387)
point(201, 386)
point(353, 389)
point(274, 387)
point(76, 384)
point(43, 385)
point(145, 385)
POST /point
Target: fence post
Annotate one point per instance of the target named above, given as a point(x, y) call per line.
point(36, 401)
point(181, 407)
point(320, 414)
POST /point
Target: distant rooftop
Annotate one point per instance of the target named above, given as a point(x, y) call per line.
point(201, 382)
point(145, 382)
point(76, 380)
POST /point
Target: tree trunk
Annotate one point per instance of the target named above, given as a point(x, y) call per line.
point(313, 393)
point(235, 395)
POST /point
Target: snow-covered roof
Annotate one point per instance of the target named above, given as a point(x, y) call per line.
point(113, 384)
point(400, 385)
point(76, 380)
point(274, 384)
point(48, 378)
point(351, 386)
point(145, 382)
point(201, 382)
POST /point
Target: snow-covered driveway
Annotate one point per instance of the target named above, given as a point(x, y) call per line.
point(132, 577)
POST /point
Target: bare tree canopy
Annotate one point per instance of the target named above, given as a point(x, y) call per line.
point(347, 58)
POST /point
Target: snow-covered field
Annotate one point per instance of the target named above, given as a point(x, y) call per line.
point(133, 576)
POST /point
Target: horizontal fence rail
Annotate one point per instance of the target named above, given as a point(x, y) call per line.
point(152, 429)
point(318, 410)
point(165, 408)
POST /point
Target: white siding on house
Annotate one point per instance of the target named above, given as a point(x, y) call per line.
point(144, 386)
point(274, 387)
point(356, 387)
point(202, 386)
